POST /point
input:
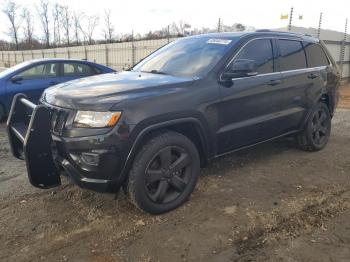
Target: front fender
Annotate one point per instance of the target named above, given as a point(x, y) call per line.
point(142, 130)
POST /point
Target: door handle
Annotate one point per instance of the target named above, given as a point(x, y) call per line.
point(274, 82)
point(312, 76)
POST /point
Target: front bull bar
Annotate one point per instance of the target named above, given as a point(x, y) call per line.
point(29, 133)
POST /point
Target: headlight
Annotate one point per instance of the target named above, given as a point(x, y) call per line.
point(91, 119)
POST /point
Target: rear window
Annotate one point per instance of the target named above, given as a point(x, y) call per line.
point(315, 55)
point(292, 55)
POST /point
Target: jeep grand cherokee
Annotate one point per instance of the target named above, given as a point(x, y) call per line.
point(150, 129)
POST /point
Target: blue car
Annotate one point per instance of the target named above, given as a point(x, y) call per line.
point(33, 77)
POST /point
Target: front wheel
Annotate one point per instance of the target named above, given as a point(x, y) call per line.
point(318, 129)
point(164, 173)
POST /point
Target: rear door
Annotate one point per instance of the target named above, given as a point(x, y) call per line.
point(323, 71)
point(75, 70)
point(298, 83)
point(249, 111)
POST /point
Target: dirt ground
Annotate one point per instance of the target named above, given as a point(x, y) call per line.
point(269, 203)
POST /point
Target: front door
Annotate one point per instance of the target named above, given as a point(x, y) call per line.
point(250, 107)
point(33, 81)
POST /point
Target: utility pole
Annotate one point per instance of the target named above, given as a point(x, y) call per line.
point(290, 19)
point(319, 26)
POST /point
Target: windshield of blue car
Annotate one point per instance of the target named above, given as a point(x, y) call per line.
point(187, 57)
point(10, 70)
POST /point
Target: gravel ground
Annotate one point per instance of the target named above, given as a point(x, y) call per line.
point(269, 203)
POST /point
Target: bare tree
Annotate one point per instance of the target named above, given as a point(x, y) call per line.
point(11, 11)
point(43, 12)
point(56, 14)
point(109, 28)
point(28, 27)
point(76, 26)
point(66, 22)
point(91, 24)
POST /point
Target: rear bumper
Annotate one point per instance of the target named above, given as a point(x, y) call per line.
point(93, 162)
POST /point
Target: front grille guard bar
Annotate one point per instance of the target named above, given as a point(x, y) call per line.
point(28, 129)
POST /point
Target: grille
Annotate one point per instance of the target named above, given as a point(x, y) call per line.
point(58, 120)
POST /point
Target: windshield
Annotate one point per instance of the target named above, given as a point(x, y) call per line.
point(13, 69)
point(187, 57)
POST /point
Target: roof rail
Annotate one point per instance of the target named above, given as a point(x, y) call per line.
point(282, 32)
point(263, 30)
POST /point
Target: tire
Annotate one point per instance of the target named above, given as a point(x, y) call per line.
point(164, 173)
point(318, 129)
point(2, 113)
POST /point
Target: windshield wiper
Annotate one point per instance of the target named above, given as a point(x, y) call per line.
point(155, 72)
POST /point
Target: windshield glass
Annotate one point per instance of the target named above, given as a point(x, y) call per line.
point(13, 69)
point(187, 57)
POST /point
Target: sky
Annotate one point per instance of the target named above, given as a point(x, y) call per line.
point(143, 16)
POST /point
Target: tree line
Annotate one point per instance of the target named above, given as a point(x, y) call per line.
point(61, 26)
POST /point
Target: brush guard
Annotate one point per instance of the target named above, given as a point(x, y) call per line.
point(29, 132)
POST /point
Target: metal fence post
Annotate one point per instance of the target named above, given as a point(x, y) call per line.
point(132, 49)
point(319, 26)
point(8, 58)
point(168, 34)
point(342, 49)
point(290, 19)
point(85, 52)
point(42, 53)
point(68, 52)
point(54, 53)
point(22, 56)
point(106, 54)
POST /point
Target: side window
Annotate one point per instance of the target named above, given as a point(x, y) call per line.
point(76, 69)
point(292, 55)
point(40, 71)
point(260, 52)
point(315, 55)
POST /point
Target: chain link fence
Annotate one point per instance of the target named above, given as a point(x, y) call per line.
point(121, 56)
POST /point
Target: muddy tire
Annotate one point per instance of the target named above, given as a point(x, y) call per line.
point(318, 129)
point(164, 173)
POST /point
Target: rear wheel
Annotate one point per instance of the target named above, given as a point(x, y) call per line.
point(164, 173)
point(318, 129)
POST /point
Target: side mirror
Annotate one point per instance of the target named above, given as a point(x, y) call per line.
point(16, 79)
point(240, 68)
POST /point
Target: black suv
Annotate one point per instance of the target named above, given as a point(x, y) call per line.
point(150, 129)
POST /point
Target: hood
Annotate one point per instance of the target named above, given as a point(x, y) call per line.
point(101, 92)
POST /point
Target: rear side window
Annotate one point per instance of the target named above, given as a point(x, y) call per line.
point(260, 51)
point(292, 55)
point(315, 55)
point(76, 69)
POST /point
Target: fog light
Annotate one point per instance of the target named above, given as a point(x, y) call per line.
point(90, 158)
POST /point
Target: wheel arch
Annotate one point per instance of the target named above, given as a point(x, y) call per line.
point(190, 127)
point(323, 97)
